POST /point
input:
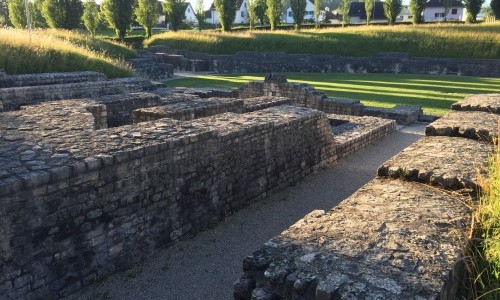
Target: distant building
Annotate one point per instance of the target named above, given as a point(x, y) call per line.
point(405, 15)
point(188, 12)
point(434, 11)
point(357, 13)
point(241, 16)
point(325, 15)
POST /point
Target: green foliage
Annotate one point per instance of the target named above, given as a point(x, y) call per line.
point(199, 12)
point(17, 13)
point(344, 11)
point(274, 10)
point(260, 11)
point(38, 51)
point(4, 13)
point(118, 14)
point(252, 17)
point(298, 10)
point(447, 6)
point(495, 6)
point(392, 8)
point(91, 17)
point(37, 19)
point(473, 7)
point(474, 41)
point(369, 4)
point(226, 11)
point(435, 93)
point(147, 14)
point(417, 8)
point(62, 13)
point(317, 11)
point(174, 13)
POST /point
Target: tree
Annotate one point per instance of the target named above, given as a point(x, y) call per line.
point(147, 15)
point(344, 7)
point(317, 11)
point(62, 13)
point(4, 13)
point(252, 17)
point(299, 11)
point(392, 8)
point(17, 13)
point(495, 7)
point(447, 6)
point(260, 10)
point(199, 13)
point(174, 13)
point(226, 10)
point(118, 14)
point(473, 7)
point(274, 10)
point(417, 8)
point(37, 19)
point(369, 4)
point(91, 17)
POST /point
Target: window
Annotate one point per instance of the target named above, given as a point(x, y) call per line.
point(290, 14)
point(189, 10)
point(439, 15)
point(454, 11)
point(242, 14)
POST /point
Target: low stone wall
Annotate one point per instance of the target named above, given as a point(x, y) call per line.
point(49, 78)
point(353, 133)
point(307, 96)
point(13, 98)
point(392, 239)
point(78, 204)
point(189, 110)
point(396, 63)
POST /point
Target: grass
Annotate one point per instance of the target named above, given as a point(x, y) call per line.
point(433, 40)
point(37, 51)
point(487, 216)
point(434, 93)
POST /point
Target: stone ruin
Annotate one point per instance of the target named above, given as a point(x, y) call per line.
point(403, 235)
point(97, 175)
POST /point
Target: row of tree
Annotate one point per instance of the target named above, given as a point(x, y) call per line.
point(117, 14)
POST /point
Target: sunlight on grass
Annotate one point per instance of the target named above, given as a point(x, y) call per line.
point(435, 93)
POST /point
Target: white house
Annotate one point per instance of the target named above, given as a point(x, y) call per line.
point(308, 17)
point(241, 16)
point(434, 11)
point(188, 12)
point(405, 15)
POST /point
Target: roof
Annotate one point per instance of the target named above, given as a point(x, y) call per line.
point(357, 9)
point(439, 3)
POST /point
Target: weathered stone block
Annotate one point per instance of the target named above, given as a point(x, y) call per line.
point(476, 125)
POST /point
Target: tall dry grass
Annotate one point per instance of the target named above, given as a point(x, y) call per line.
point(36, 51)
point(433, 40)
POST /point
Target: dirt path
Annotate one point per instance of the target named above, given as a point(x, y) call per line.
point(206, 266)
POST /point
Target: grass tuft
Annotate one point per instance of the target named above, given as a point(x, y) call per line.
point(432, 40)
point(38, 51)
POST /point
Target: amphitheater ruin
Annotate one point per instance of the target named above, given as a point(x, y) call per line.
point(96, 175)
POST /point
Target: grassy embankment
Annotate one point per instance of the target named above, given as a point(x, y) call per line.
point(435, 40)
point(434, 93)
point(38, 51)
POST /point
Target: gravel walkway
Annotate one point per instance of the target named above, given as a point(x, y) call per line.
point(206, 266)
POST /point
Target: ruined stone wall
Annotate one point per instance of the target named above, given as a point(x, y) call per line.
point(120, 107)
point(78, 204)
point(49, 78)
point(14, 97)
point(384, 62)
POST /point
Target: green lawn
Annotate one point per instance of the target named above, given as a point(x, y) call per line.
point(434, 93)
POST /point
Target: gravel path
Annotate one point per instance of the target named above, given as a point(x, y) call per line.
point(206, 266)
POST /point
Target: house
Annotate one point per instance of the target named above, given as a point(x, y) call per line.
point(405, 15)
point(287, 17)
point(357, 13)
point(241, 16)
point(188, 12)
point(434, 11)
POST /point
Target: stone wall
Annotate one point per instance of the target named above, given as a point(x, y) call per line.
point(49, 78)
point(396, 63)
point(401, 236)
point(14, 97)
point(79, 203)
